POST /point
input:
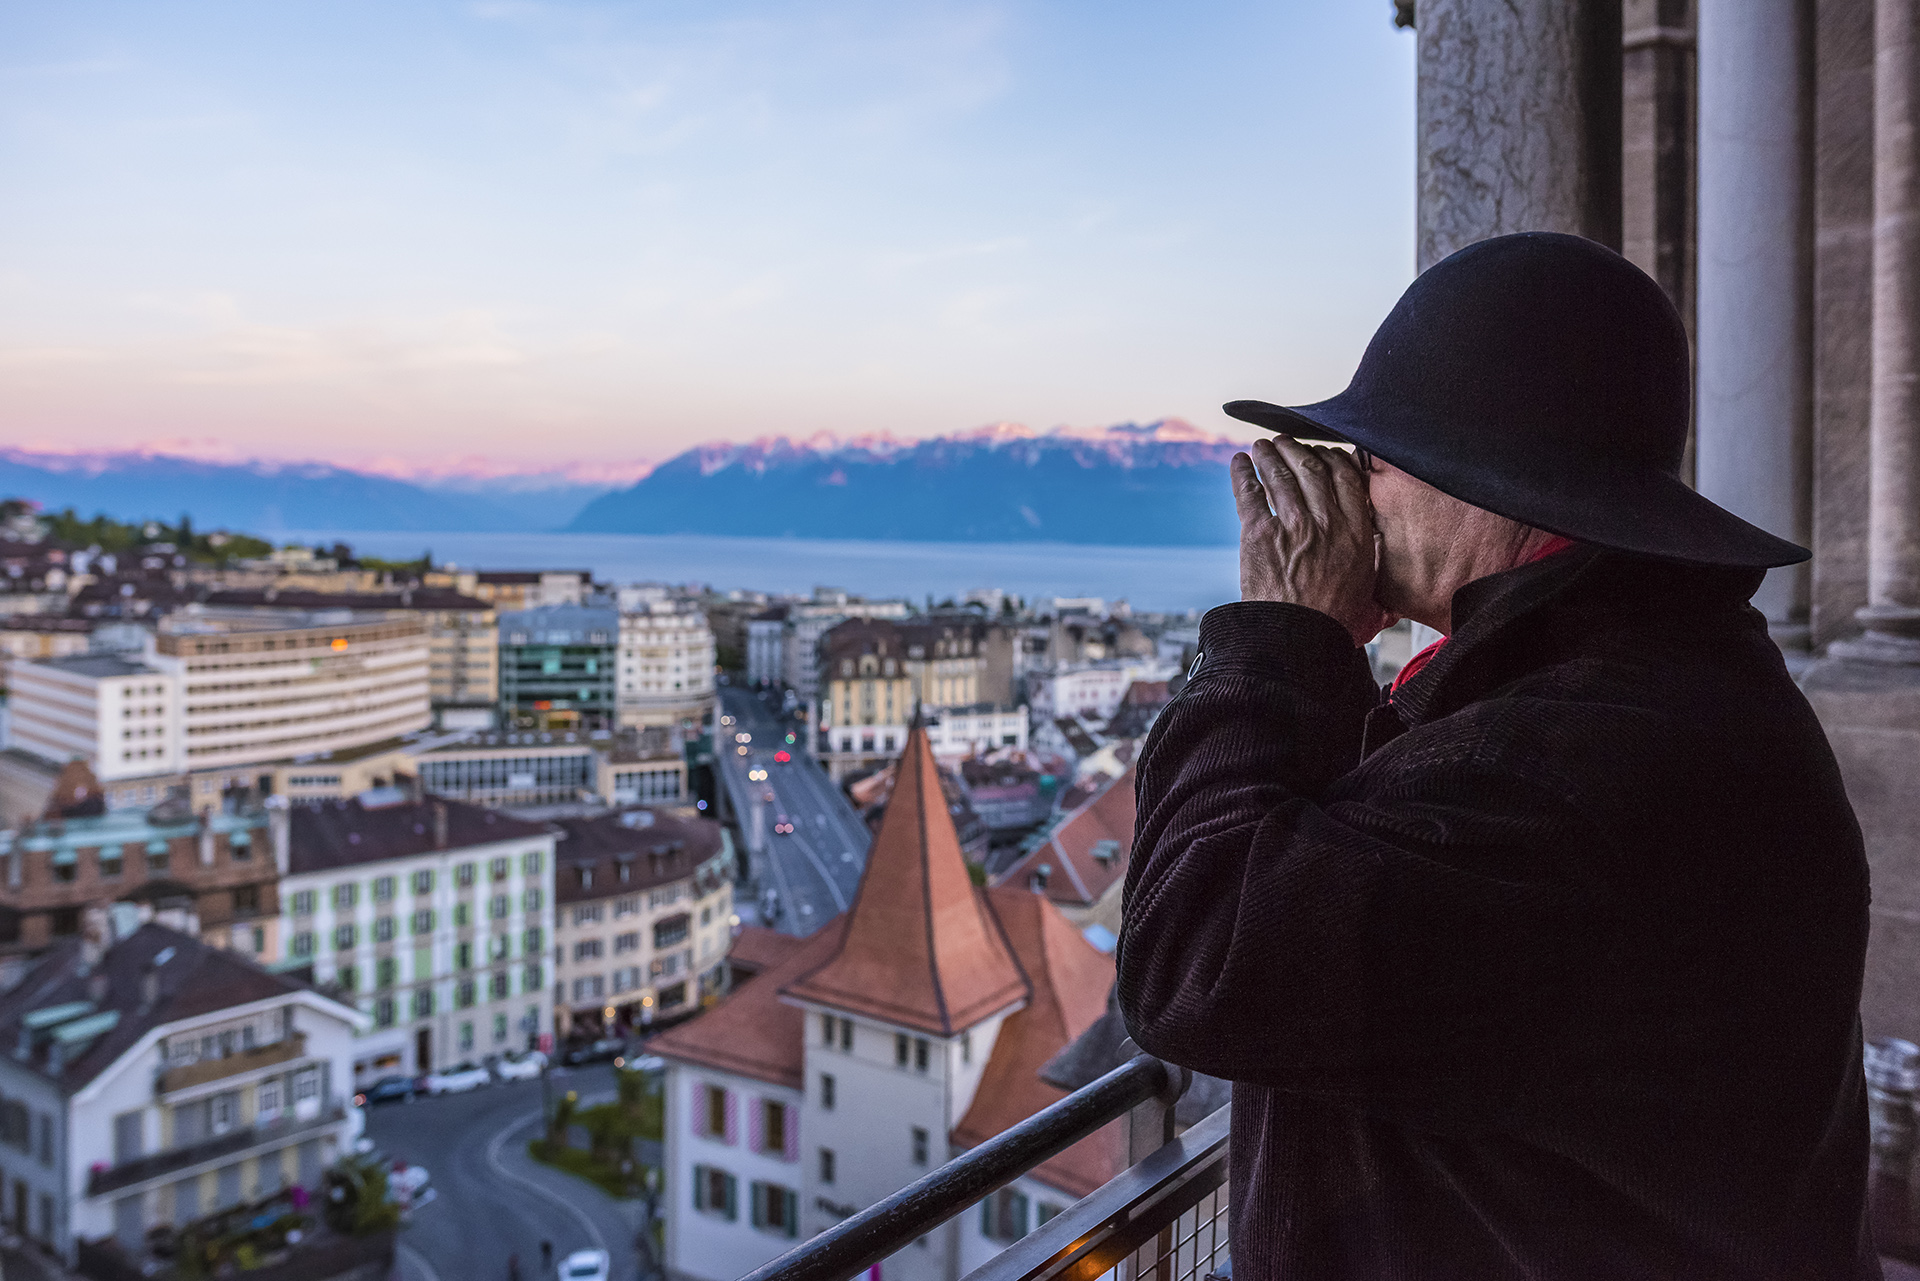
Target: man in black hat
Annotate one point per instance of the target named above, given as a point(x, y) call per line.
point(1546, 962)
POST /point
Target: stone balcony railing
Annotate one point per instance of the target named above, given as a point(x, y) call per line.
point(188, 1075)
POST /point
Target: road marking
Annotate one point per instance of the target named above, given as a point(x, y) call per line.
point(820, 866)
point(419, 1262)
point(493, 1159)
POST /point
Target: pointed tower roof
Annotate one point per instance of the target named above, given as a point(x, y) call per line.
point(922, 948)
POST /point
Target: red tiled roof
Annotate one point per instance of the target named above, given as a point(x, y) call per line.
point(753, 1032)
point(922, 949)
point(1074, 875)
point(758, 948)
point(1071, 980)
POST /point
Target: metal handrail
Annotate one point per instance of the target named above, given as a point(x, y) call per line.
point(856, 1243)
point(1095, 1233)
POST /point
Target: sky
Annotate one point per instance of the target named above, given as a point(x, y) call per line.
point(529, 236)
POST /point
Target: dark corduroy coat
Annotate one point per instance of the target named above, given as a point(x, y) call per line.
point(1549, 967)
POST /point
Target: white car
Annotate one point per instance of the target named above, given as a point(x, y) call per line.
point(525, 1068)
point(457, 1079)
point(647, 1063)
point(585, 1265)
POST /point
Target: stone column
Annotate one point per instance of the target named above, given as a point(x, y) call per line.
point(1657, 143)
point(1754, 354)
point(1892, 614)
point(1519, 120)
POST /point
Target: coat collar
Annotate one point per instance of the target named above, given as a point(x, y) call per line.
point(1492, 641)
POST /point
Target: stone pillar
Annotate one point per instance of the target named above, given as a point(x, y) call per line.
point(1754, 354)
point(1659, 108)
point(1892, 613)
point(1519, 121)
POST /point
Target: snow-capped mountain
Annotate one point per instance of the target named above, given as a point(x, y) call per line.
point(1162, 483)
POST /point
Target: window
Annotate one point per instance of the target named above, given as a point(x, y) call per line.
point(499, 1027)
point(383, 929)
point(672, 996)
point(966, 1047)
point(345, 936)
point(1003, 1216)
point(158, 858)
point(382, 888)
point(902, 1044)
point(846, 1035)
point(423, 881)
point(346, 894)
point(246, 900)
point(714, 1191)
point(110, 861)
point(303, 903)
point(466, 1031)
point(919, 1146)
point(706, 915)
point(535, 940)
point(587, 949)
point(463, 956)
point(773, 1127)
point(423, 921)
point(348, 978)
point(718, 1112)
point(463, 875)
point(303, 943)
point(586, 914)
point(500, 868)
point(462, 998)
point(589, 989)
point(826, 1165)
point(383, 1012)
point(827, 1022)
point(532, 900)
point(535, 978)
point(670, 932)
point(225, 1111)
point(423, 1003)
point(462, 915)
point(385, 971)
point(500, 906)
point(498, 985)
point(776, 1209)
point(826, 1091)
point(266, 1101)
point(919, 1053)
point(532, 863)
point(499, 947)
point(626, 906)
point(629, 942)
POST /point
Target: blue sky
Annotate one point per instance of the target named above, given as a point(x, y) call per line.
point(526, 234)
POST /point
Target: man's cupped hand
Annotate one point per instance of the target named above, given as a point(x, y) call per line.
point(1306, 533)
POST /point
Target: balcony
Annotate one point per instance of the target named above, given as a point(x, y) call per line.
point(275, 1133)
point(1164, 1218)
point(167, 1080)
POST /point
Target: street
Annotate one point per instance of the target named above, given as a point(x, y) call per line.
point(491, 1200)
point(815, 869)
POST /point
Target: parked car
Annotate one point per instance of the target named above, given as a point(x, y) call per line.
point(647, 1063)
point(457, 1079)
point(585, 1265)
point(525, 1067)
point(598, 1051)
point(405, 1181)
point(388, 1089)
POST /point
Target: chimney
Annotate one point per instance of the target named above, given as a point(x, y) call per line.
point(439, 825)
point(94, 937)
point(206, 837)
point(280, 827)
point(1040, 875)
point(149, 986)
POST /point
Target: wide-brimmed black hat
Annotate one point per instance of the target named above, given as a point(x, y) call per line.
point(1545, 378)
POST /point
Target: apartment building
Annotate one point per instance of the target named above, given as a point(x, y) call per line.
point(463, 639)
point(37, 636)
point(665, 666)
point(152, 1079)
point(558, 666)
point(644, 907)
point(211, 873)
point(863, 1056)
point(875, 673)
point(644, 767)
point(120, 715)
point(517, 589)
point(434, 918)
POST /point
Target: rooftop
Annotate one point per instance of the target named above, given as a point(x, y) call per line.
point(97, 666)
point(1076, 872)
point(753, 1033)
point(657, 846)
point(300, 599)
point(332, 834)
point(105, 1010)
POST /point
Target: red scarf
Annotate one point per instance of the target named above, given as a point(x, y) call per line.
point(1425, 656)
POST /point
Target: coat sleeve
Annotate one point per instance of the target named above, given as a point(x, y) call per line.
point(1293, 919)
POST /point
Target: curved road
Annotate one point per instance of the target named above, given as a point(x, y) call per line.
point(491, 1200)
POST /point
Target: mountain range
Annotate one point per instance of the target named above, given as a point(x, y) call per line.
point(1157, 484)
point(1161, 483)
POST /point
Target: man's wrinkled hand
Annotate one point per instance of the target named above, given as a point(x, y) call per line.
point(1306, 533)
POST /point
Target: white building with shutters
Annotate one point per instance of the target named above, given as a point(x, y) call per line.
point(154, 1080)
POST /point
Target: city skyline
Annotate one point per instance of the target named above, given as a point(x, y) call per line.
point(527, 236)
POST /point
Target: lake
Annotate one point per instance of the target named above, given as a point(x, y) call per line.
point(1150, 578)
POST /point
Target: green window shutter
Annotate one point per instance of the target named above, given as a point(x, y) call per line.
point(699, 1187)
point(757, 1204)
point(793, 1213)
point(1019, 1215)
point(733, 1189)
